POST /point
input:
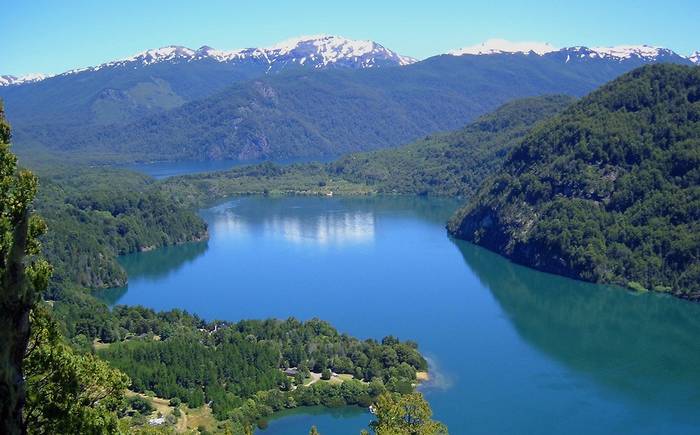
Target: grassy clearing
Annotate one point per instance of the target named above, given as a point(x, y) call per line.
point(189, 421)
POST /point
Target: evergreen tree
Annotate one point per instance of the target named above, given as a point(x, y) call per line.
point(23, 277)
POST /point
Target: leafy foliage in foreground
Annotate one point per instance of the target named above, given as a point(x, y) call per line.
point(24, 276)
point(609, 191)
point(405, 415)
point(68, 392)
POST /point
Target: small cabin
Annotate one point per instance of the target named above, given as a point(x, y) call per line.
point(156, 421)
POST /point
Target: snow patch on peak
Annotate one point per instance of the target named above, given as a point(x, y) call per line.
point(318, 50)
point(616, 53)
point(623, 52)
point(148, 57)
point(159, 54)
point(288, 45)
point(8, 80)
point(695, 58)
point(222, 55)
point(501, 46)
point(335, 49)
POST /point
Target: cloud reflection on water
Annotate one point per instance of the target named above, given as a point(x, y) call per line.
point(331, 228)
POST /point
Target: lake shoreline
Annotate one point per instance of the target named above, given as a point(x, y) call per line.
point(518, 323)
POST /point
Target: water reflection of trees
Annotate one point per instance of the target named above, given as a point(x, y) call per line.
point(153, 265)
point(161, 262)
point(645, 345)
point(322, 220)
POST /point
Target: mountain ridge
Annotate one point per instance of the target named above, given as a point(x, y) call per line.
point(319, 51)
point(354, 53)
point(332, 112)
point(618, 52)
point(312, 113)
point(281, 110)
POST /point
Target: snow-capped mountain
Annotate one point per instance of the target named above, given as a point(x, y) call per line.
point(209, 103)
point(320, 51)
point(8, 80)
point(621, 53)
point(327, 50)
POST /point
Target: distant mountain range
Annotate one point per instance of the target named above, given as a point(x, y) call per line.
point(319, 51)
point(328, 50)
point(620, 53)
point(164, 78)
point(303, 98)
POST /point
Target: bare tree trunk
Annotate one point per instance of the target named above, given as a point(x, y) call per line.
point(16, 300)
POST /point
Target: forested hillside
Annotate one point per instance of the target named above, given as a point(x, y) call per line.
point(449, 164)
point(454, 163)
point(608, 191)
point(118, 94)
point(95, 215)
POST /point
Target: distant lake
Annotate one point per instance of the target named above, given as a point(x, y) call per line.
point(159, 170)
point(512, 350)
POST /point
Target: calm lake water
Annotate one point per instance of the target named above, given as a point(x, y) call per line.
point(160, 170)
point(512, 350)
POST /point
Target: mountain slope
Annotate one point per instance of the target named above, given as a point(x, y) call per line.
point(309, 114)
point(608, 191)
point(454, 163)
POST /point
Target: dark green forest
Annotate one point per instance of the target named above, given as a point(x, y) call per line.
point(449, 164)
point(608, 191)
point(229, 364)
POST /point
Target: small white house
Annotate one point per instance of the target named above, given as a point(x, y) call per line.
point(156, 421)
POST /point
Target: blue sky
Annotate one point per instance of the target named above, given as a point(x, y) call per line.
point(54, 36)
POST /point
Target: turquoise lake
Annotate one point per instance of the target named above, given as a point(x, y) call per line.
point(512, 350)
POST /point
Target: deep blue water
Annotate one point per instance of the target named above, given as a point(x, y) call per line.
point(512, 350)
point(159, 170)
